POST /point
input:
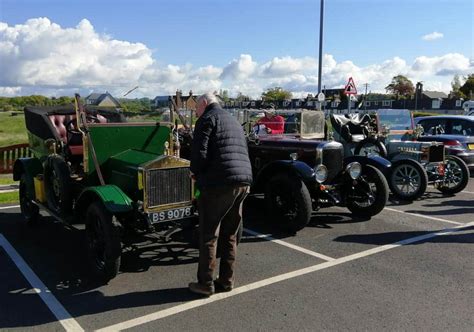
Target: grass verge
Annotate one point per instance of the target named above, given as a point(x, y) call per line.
point(9, 198)
point(6, 179)
point(12, 129)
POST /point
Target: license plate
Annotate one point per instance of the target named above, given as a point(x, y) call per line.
point(471, 146)
point(173, 214)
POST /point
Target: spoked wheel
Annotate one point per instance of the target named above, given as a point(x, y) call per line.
point(103, 236)
point(288, 202)
point(57, 177)
point(456, 176)
point(408, 179)
point(371, 147)
point(29, 210)
point(369, 196)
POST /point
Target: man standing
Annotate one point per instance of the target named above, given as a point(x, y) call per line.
point(221, 167)
point(274, 124)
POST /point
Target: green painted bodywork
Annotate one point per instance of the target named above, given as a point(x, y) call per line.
point(122, 170)
point(112, 139)
point(113, 198)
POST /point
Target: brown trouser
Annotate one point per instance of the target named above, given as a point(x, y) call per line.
point(220, 214)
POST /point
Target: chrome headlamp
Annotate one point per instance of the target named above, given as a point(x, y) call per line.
point(354, 170)
point(321, 173)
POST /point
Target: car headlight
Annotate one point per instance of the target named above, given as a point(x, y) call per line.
point(354, 169)
point(321, 173)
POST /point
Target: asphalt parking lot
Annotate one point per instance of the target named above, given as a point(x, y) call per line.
point(410, 267)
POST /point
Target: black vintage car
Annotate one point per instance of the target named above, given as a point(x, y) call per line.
point(299, 172)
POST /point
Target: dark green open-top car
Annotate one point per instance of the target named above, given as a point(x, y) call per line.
point(114, 176)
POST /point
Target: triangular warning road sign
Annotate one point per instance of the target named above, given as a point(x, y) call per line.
point(350, 88)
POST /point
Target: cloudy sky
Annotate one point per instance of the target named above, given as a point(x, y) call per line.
point(56, 48)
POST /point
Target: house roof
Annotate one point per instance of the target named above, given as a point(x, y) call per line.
point(99, 97)
point(161, 98)
point(94, 96)
point(435, 94)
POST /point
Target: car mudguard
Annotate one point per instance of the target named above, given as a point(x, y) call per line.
point(29, 166)
point(113, 198)
point(295, 167)
point(382, 164)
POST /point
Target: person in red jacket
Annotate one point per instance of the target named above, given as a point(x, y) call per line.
point(274, 124)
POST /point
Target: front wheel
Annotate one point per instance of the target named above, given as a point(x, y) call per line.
point(456, 176)
point(408, 179)
point(29, 210)
point(288, 202)
point(103, 237)
point(369, 195)
point(371, 147)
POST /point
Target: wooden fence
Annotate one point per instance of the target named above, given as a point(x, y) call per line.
point(9, 154)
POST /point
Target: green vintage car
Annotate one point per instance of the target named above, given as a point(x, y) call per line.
point(91, 167)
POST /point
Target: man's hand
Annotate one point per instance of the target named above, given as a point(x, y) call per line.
point(269, 131)
point(192, 176)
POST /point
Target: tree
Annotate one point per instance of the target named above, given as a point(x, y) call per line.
point(276, 94)
point(401, 86)
point(455, 87)
point(224, 94)
point(242, 97)
point(468, 87)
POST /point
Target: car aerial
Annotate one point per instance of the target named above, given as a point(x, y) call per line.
point(391, 133)
point(456, 132)
point(300, 172)
point(116, 177)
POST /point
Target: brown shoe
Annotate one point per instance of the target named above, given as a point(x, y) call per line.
point(201, 289)
point(222, 287)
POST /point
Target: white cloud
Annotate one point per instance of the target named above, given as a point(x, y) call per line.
point(433, 36)
point(240, 68)
point(41, 57)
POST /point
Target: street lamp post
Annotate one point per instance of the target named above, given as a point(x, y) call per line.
point(321, 14)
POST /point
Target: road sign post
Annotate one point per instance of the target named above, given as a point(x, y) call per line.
point(350, 90)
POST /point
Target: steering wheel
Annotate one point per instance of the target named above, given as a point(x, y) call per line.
point(71, 125)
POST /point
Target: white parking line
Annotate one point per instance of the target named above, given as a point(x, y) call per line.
point(66, 320)
point(468, 192)
point(427, 217)
point(289, 245)
point(9, 207)
point(4, 191)
point(259, 284)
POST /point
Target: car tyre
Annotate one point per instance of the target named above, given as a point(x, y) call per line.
point(57, 178)
point(371, 178)
point(288, 202)
point(457, 173)
point(103, 240)
point(29, 210)
point(408, 179)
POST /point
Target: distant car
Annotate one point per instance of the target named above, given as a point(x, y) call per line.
point(455, 131)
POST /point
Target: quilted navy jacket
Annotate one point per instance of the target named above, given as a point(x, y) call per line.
point(219, 153)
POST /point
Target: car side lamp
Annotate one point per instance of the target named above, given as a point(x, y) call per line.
point(321, 173)
point(354, 170)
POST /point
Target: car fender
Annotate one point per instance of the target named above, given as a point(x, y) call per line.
point(29, 166)
point(295, 167)
point(113, 198)
point(382, 164)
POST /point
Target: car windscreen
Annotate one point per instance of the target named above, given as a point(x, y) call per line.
point(396, 119)
point(304, 123)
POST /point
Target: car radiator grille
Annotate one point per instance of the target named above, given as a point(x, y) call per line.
point(333, 160)
point(436, 153)
point(168, 186)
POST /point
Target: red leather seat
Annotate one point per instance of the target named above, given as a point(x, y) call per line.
point(59, 123)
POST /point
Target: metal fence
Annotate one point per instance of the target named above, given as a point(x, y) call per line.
point(8, 155)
